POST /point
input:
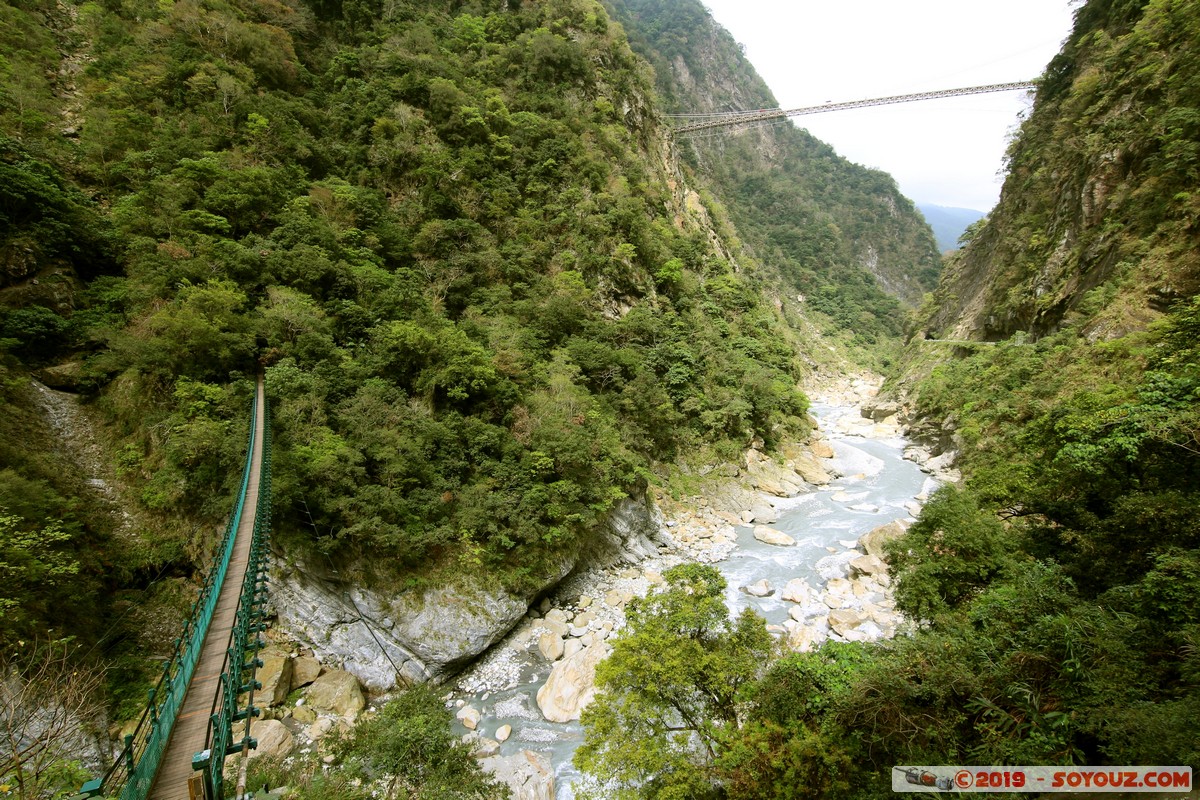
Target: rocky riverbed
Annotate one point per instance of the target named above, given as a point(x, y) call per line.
point(798, 537)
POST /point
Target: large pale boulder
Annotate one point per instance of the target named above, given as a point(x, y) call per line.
point(551, 646)
point(528, 775)
point(821, 449)
point(797, 590)
point(305, 670)
point(469, 716)
point(337, 692)
point(763, 512)
point(873, 540)
point(772, 536)
point(760, 588)
point(571, 685)
point(843, 620)
point(274, 739)
point(836, 565)
point(809, 467)
point(868, 565)
point(802, 638)
point(275, 675)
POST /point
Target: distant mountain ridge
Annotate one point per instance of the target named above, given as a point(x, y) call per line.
point(948, 223)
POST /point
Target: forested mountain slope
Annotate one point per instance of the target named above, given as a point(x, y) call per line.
point(447, 232)
point(1059, 582)
point(839, 234)
point(1100, 189)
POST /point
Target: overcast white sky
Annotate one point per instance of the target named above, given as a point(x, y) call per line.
point(948, 152)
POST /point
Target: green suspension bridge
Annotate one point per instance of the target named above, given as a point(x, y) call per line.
point(178, 750)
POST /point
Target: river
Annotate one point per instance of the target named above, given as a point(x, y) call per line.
point(876, 486)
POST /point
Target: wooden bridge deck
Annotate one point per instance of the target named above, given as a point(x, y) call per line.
point(191, 727)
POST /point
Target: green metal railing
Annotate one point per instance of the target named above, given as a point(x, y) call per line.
point(241, 657)
point(132, 774)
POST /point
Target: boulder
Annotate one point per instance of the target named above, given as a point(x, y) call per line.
point(616, 599)
point(879, 410)
point(796, 591)
point(802, 638)
point(842, 620)
point(835, 566)
point(552, 626)
point(762, 512)
point(337, 692)
point(469, 716)
point(571, 685)
point(809, 467)
point(305, 670)
point(274, 739)
point(483, 747)
point(571, 647)
point(761, 588)
point(873, 540)
point(772, 536)
point(305, 715)
point(275, 675)
point(868, 565)
point(320, 727)
point(528, 775)
point(821, 449)
point(551, 646)
point(503, 732)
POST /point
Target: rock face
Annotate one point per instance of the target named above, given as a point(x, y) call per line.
point(528, 774)
point(337, 692)
point(571, 685)
point(388, 639)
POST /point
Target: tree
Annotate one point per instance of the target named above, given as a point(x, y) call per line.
point(33, 561)
point(673, 692)
point(46, 699)
point(410, 747)
point(951, 553)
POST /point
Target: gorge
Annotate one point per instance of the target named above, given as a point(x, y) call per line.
point(509, 326)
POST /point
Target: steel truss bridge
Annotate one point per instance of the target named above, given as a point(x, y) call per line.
point(691, 124)
point(179, 747)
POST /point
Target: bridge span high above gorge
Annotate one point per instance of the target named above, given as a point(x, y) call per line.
point(179, 747)
point(694, 124)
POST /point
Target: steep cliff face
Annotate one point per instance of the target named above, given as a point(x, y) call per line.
point(1098, 216)
point(838, 233)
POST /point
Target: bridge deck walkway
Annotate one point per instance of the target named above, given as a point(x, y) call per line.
point(191, 727)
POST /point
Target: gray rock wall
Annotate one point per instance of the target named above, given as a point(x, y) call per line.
point(415, 636)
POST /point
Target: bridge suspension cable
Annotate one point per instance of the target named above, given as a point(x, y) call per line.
point(691, 123)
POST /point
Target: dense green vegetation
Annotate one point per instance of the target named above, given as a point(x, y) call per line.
point(1056, 593)
point(405, 752)
point(440, 228)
